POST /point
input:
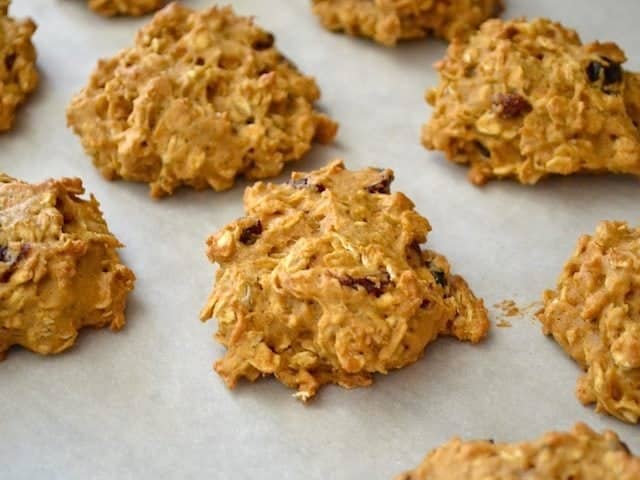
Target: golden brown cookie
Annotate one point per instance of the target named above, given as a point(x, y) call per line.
point(201, 98)
point(324, 281)
point(526, 99)
point(594, 314)
point(110, 8)
point(389, 21)
point(580, 454)
point(18, 74)
point(59, 270)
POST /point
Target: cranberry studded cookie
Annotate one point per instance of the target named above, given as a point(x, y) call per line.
point(18, 74)
point(59, 270)
point(201, 98)
point(110, 8)
point(580, 454)
point(594, 314)
point(389, 21)
point(526, 99)
point(324, 281)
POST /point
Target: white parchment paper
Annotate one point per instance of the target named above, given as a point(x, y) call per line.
point(145, 403)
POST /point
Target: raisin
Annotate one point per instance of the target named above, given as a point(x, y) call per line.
point(264, 42)
point(511, 105)
point(593, 71)
point(484, 151)
point(425, 303)
point(373, 288)
point(4, 254)
point(250, 235)
point(612, 74)
point(9, 61)
point(438, 275)
point(383, 186)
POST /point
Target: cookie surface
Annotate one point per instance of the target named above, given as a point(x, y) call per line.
point(594, 314)
point(579, 454)
point(110, 8)
point(59, 270)
point(18, 74)
point(201, 98)
point(524, 100)
point(389, 21)
point(324, 281)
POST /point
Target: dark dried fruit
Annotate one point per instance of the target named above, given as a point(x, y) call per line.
point(484, 151)
point(593, 71)
point(9, 61)
point(425, 303)
point(438, 275)
point(613, 72)
point(375, 288)
point(383, 186)
point(250, 235)
point(264, 42)
point(4, 254)
point(511, 105)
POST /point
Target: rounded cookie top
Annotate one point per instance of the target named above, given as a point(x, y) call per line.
point(59, 270)
point(18, 74)
point(110, 8)
point(594, 313)
point(324, 281)
point(201, 98)
point(526, 99)
point(389, 21)
point(579, 454)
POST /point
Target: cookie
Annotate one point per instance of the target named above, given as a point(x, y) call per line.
point(526, 99)
point(110, 8)
point(580, 454)
point(201, 98)
point(594, 314)
point(59, 270)
point(389, 21)
point(324, 281)
point(18, 74)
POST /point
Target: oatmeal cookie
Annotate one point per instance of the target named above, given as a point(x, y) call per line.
point(110, 8)
point(59, 270)
point(324, 281)
point(594, 314)
point(18, 74)
point(201, 98)
point(580, 454)
point(389, 21)
point(526, 99)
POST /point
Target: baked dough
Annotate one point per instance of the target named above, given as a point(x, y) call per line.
point(389, 21)
point(59, 270)
point(18, 74)
point(526, 99)
point(201, 98)
point(580, 454)
point(110, 8)
point(594, 314)
point(324, 281)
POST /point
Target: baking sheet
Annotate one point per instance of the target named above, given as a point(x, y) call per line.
point(144, 403)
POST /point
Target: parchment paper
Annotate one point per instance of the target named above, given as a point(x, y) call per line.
point(145, 403)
